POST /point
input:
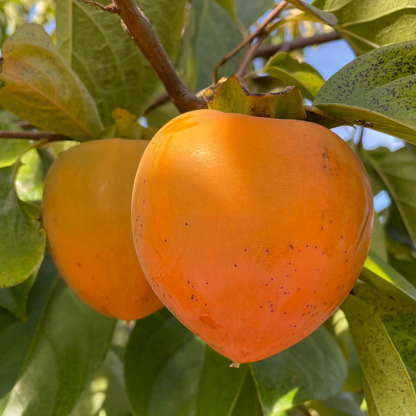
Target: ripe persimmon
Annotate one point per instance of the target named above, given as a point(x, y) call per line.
point(86, 214)
point(251, 230)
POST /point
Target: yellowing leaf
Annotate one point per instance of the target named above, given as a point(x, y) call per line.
point(40, 87)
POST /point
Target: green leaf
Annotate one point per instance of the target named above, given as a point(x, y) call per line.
point(16, 336)
point(106, 394)
point(229, 6)
point(398, 172)
point(22, 240)
point(41, 88)
point(30, 179)
point(376, 90)
point(378, 238)
point(368, 24)
point(398, 319)
point(217, 34)
point(249, 11)
point(14, 299)
point(63, 354)
point(381, 275)
point(337, 325)
point(325, 17)
point(312, 369)
point(170, 371)
point(10, 149)
point(384, 370)
point(300, 74)
point(343, 404)
point(248, 403)
point(107, 60)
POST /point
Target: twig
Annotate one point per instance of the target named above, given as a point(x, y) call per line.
point(33, 135)
point(111, 8)
point(298, 43)
point(147, 41)
point(158, 101)
point(259, 31)
point(250, 55)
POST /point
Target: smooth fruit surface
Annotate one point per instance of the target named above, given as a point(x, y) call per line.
point(250, 230)
point(86, 214)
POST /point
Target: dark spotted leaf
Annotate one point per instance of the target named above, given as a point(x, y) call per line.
point(392, 393)
point(376, 90)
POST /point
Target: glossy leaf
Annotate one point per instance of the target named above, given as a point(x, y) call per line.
point(376, 90)
point(22, 240)
point(248, 403)
point(14, 299)
point(16, 336)
point(343, 404)
point(65, 352)
point(30, 178)
point(228, 5)
point(325, 17)
point(381, 275)
point(217, 34)
point(300, 74)
point(106, 394)
point(107, 60)
point(368, 24)
point(337, 325)
point(170, 371)
point(312, 369)
point(398, 172)
point(40, 87)
point(384, 370)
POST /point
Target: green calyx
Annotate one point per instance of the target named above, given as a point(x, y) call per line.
point(232, 96)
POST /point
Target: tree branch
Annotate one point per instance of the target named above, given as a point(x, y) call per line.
point(33, 135)
point(158, 101)
point(259, 31)
point(147, 41)
point(298, 43)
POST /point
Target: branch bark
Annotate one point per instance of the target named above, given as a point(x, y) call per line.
point(298, 43)
point(144, 36)
point(33, 135)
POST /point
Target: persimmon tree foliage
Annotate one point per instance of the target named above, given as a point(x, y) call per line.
point(125, 69)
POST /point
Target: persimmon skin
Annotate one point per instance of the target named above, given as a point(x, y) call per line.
point(86, 214)
point(251, 231)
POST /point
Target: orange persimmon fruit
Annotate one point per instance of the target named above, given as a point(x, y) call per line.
point(86, 214)
point(251, 231)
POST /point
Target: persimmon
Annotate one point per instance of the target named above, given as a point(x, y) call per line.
point(86, 214)
point(251, 230)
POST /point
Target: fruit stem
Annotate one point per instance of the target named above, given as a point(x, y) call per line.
point(235, 365)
